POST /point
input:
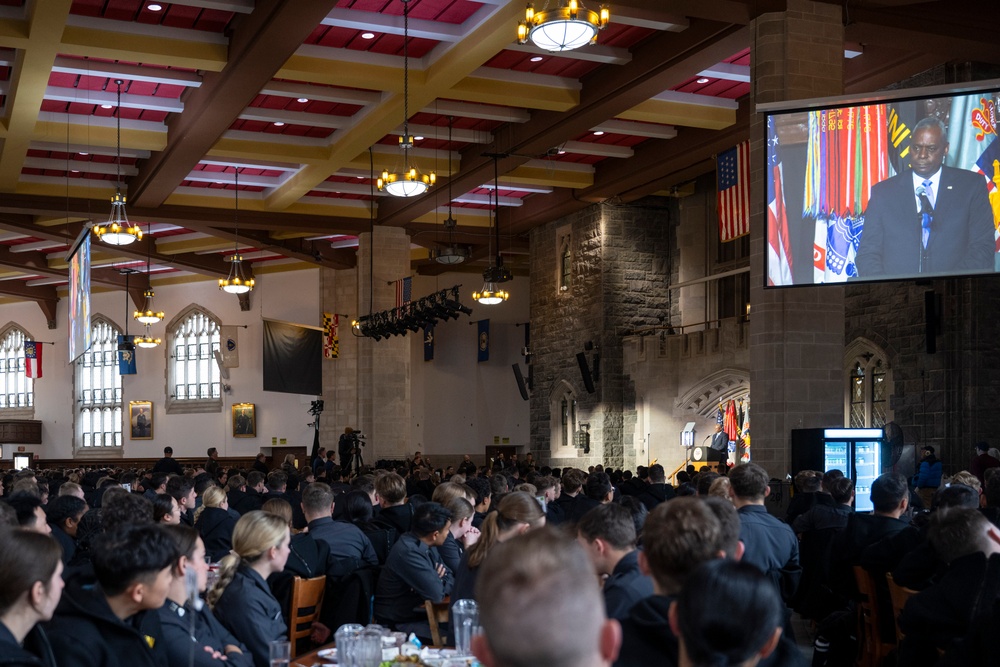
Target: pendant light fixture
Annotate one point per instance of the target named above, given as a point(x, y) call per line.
point(146, 340)
point(451, 254)
point(147, 315)
point(410, 182)
point(568, 27)
point(117, 230)
point(497, 273)
point(236, 282)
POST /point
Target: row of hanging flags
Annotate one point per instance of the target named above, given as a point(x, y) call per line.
point(403, 289)
point(847, 151)
point(734, 416)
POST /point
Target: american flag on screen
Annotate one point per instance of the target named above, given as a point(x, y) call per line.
point(404, 290)
point(734, 192)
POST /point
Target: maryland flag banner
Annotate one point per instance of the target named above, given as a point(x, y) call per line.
point(745, 433)
point(331, 338)
point(846, 154)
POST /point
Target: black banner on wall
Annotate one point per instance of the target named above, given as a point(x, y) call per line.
point(293, 356)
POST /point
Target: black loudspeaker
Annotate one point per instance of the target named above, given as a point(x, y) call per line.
point(930, 321)
point(521, 387)
point(588, 379)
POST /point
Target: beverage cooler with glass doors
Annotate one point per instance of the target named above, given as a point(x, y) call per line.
point(857, 452)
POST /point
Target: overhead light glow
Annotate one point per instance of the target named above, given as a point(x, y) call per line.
point(107, 106)
point(279, 124)
point(702, 80)
point(599, 133)
point(537, 59)
point(302, 100)
point(418, 138)
point(367, 35)
point(154, 7)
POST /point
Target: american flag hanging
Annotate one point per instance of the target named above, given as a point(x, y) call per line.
point(734, 192)
point(404, 290)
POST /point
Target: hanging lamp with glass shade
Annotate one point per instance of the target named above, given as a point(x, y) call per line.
point(409, 182)
point(567, 27)
point(236, 282)
point(148, 315)
point(118, 230)
point(147, 341)
point(452, 253)
point(492, 294)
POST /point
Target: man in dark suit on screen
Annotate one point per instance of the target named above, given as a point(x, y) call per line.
point(929, 219)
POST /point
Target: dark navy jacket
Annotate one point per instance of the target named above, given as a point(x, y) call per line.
point(36, 651)
point(626, 586)
point(86, 633)
point(180, 638)
point(345, 539)
point(249, 611)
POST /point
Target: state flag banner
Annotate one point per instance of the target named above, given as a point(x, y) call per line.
point(229, 338)
point(483, 341)
point(32, 359)
point(429, 342)
point(733, 168)
point(126, 355)
point(331, 335)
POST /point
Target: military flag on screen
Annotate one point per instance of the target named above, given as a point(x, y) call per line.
point(483, 341)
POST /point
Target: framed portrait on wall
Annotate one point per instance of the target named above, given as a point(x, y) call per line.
point(244, 420)
point(140, 419)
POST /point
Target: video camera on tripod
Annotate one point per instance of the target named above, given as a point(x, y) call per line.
point(357, 439)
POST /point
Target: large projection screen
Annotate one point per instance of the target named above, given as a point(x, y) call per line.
point(880, 189)
point(79, 296)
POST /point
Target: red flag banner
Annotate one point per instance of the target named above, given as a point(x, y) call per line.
point(729, 424)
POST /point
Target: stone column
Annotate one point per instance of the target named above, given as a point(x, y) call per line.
point(368, 387)
point(796, 335)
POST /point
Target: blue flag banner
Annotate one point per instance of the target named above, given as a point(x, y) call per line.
point(126, 355)
point(429, 342)
point(483, 340)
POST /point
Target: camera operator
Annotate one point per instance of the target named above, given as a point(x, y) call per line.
point(347, 447)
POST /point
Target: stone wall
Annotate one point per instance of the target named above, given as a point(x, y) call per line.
point(620, 274)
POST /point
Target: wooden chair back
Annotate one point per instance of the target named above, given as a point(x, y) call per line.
point(307, 600)
point(437, 614)
point(899, 595)
point(872, 650)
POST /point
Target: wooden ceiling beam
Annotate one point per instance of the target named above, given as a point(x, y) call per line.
point(261, 43)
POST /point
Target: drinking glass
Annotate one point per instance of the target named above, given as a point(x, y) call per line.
point(281, 653)
point(368, 649)
point(465, 615)
point(346, 639)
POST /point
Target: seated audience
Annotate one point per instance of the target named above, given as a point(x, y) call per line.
point(115, 624)
point(241, 599)
point(540, 605)
point(484, 498)
point(64, 514)
point(743, 631)
point(597, 490)
point(191, 633)
point(517, 513)
point(934, 618)
point(460, 535)
point(822, 516)
point(572, 485)
point(30, 514)
point(608, 533)
point(414, 573)
point(348, 544)
point(808, 494)
point(657, 491)
point(28, 598)
point(769, 544)
point(394, 511)
point(248, 497)
point(182, 490)
point(166, 510)
point(214, 523)
point(358, 510)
